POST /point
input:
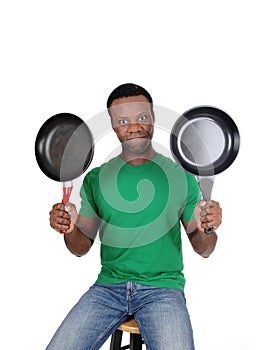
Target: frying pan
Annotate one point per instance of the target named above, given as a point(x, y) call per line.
point(205, 141)
point(64, 149)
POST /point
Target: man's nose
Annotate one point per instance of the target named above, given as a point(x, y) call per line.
point(134, 127)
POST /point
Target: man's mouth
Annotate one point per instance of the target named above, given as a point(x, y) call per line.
point(136, 138)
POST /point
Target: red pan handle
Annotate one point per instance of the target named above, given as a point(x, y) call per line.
point(66, 189)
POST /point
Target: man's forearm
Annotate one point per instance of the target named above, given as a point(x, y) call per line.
point(77, 242)
point(204, 244)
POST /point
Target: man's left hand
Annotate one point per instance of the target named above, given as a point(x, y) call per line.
point(208, 214)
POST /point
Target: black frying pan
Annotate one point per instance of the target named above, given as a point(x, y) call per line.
point(64, 149)
point(205, 141)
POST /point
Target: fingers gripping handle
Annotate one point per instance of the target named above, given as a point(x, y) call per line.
point(208, 230)
point(206, 185)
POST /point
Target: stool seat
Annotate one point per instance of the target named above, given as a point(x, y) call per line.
point(135, 339)
point(129, 326)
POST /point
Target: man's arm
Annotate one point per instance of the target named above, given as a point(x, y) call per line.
point(79, 231)
point(78, 241)
point(206, 215)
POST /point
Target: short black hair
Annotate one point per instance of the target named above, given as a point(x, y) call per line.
point(127, 90)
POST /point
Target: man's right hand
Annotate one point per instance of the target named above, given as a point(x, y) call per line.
point(63, 218)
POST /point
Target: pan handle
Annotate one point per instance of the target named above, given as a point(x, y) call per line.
point(206, 185)
point(208, 231)
point(66, 189)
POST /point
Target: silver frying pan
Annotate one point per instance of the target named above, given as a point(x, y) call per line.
point(205, 141)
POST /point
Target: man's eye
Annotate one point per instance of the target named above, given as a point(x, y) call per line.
point(122, 121)
point(142, 118)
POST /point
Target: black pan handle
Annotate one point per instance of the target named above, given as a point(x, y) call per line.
point(208, 231)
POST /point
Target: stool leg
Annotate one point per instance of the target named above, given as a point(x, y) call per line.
point(135, 342)
point(116, 340)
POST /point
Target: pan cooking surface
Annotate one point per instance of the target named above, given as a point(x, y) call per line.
point(202, 142)
point(205, 141)
point(64, 147)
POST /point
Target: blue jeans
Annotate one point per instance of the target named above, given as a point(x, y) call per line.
point(160, 313)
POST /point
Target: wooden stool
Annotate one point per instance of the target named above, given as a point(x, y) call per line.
point(135, 342)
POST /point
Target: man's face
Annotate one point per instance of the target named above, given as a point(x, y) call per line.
point(132, 120)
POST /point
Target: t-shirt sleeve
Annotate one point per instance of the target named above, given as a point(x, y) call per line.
point(193, 196)
point(88, 206)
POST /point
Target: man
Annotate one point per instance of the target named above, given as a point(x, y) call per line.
point(137, 201)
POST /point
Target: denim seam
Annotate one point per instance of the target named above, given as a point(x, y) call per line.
point(142, 335)
point(106, 331)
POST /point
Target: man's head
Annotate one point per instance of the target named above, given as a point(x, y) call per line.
point(128, 90)
point(132, 117)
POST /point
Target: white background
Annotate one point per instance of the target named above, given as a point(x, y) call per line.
point(68, 56)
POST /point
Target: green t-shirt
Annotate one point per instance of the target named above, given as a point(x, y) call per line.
point(140, 207)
